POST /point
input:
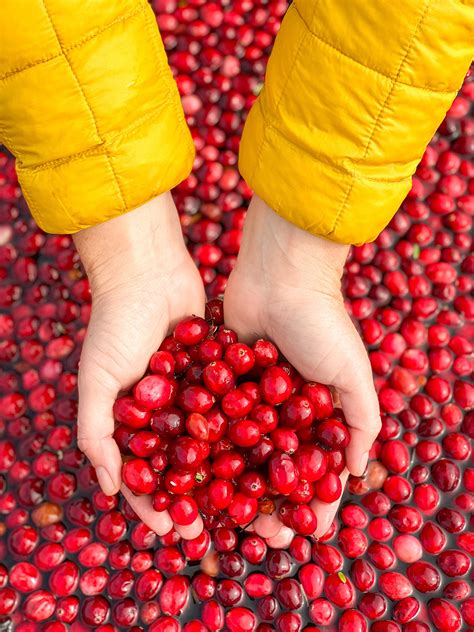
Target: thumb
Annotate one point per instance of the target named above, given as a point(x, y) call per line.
point(97, 394)
point(361, 408)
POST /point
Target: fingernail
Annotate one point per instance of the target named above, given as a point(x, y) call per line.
point(364, 459)
point(105, 481)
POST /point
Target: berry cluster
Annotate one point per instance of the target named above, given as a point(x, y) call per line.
point(224, 428)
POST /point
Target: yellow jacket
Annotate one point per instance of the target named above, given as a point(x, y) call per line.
point(354, 91)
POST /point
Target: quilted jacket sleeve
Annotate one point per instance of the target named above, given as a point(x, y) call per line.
point(354, 92)
point(89, 107)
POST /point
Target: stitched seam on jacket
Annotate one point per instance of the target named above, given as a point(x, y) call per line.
point(165, 186)
point(86, 39)
point(333, 166)
point(81, 89)
point(32, 206)
point(379, 72)
point(163, 71)
point(382, 110)
point(94, 151)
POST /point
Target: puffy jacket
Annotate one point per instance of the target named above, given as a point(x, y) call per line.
point(353, 93)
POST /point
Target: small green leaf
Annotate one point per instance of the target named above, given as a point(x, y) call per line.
point(416, 251)
point(342, 577)
point(198, 477)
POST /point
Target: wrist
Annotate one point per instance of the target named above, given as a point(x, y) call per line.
point(290, 254)
point(131, 245)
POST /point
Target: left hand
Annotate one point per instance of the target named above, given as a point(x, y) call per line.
point(143, 281)
point(286, 287)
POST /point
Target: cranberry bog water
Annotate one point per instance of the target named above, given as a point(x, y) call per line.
point(398, 556)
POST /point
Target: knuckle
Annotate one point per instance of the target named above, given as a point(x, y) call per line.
point(84, 444)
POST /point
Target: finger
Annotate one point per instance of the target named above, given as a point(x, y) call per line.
point(95, 427)
point(325, 512)
point(283, 538)
point(191, 531)
point(364, 427)
point(159, 521)
point(362, 412)
point(268, 525)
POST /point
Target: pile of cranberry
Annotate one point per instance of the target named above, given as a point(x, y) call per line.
point(398, 556)
point(218, 425)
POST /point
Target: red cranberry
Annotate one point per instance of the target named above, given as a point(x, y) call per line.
point(321, 611)
point(424, 576)
point(139, 477)
point(445, 474)
point(444, 615)
point(275, 385)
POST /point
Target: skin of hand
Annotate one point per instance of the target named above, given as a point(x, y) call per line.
point(286, 286)
point(142, 281)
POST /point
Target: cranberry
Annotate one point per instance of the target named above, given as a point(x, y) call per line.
point(126, 411)
point(328, 488)
point(339, 590)
point(320, 397)
point(195, 399)
point(275, 385)
point(321, 611)
point(303, 520)
point(236, 403)
point(352, 541)
point(424, 576)
point(407, 548)
point(432, 538)
point(183, 510)
point(405, 519)
point(242, 508)
point(457, 590)
point(445, 474)
point(229, 592)
point(191, 331)
point(244, 433)
point(95, 610)
point(153, 391)
point(373, 605)
point(8, 601)
point(253, 549)
point(174, 595)
point(139, 477)
point(278, 564)
point(395, 456)
point(283, 473)
point(311, 462)
point(240, 620)
point(39, 606)
point(453, 563)
point(444, 615)
point(218, 378)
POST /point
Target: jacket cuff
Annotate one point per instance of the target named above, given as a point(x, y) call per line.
point(95, 123)
point(68, 195)
point(353, 94)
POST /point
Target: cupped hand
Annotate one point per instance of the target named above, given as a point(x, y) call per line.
point(143, 281)
point(286, 287)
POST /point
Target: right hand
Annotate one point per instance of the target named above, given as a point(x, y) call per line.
point(143, 281)
point(291, 281)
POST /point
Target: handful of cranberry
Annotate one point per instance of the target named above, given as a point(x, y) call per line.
point(226, 429)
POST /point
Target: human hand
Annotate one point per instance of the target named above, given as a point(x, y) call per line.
point(143, 281)
point(286, 287)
